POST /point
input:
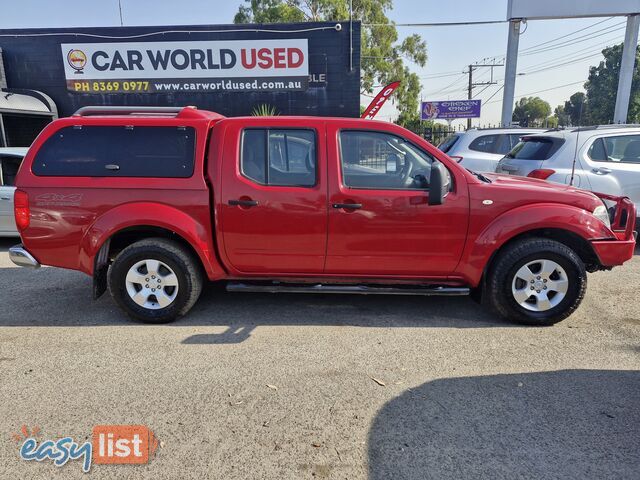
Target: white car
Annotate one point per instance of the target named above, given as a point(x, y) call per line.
point(10, 161)
point(607, 159)
point(481, 149)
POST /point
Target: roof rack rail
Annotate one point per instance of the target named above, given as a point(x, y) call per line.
point(611, 125)
point(102, 110)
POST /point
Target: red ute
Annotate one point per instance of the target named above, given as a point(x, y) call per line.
point(153, 201)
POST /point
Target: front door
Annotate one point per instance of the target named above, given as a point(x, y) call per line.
point(380, 222)
point(274, 199)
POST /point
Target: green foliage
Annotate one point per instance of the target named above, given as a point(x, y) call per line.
point(577, 110)
point(562, 118)
point(264, 110)
point(531, 111)
point(382, 57)
point(602, 87)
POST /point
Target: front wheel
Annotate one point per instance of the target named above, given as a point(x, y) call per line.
point(537, 281)
point(155, 280)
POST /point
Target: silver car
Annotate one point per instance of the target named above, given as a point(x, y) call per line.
point(481, 149)
point(10, 161)
point(607, 159)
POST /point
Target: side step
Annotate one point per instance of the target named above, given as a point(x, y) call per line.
point(333, 288)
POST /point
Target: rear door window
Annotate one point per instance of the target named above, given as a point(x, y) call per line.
point(279, 157)
point(117, 151)
point(486, 143)
point(10, 165)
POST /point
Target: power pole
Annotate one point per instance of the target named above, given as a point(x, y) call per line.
point(477, 84)
point(470, 92)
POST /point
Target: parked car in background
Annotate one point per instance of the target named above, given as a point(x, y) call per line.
point(607, 159)
point(10, 160)
point(481, 149)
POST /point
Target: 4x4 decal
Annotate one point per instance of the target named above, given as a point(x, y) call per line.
point(58, 200)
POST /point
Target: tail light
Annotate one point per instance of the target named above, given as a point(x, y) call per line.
point(21, 209)
point(541, 173)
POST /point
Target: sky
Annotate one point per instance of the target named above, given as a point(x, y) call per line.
point(450, 49)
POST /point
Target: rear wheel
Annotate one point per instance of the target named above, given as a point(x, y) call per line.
point(155, 280)
point(537, 281)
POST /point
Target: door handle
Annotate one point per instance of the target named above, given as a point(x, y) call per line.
point(602, 170)
point(347, 206)
point(112, 166)
point(243, 203)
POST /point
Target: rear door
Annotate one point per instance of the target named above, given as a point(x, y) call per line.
point(274, 198)
point(380, 222)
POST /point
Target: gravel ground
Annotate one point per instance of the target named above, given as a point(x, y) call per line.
point(253, 386)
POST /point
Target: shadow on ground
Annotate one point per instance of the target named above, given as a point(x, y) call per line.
point(564, 424)
point(56, 297)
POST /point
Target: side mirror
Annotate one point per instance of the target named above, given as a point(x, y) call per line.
point(438, 183)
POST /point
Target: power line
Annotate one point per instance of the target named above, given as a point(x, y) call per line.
point(573, 41)
point(541, 91)
point(567, 35)
point(436, 24)
point(562, 64)
point(599, 47)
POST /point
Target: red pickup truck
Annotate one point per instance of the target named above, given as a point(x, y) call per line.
point(151, 202)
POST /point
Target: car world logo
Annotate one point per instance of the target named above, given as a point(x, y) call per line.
point(110, 444)
point(77, 59)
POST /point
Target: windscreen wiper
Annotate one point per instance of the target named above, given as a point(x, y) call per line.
point(480, 176)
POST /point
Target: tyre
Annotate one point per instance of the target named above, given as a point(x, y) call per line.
point(155, 280)
point(536, 281)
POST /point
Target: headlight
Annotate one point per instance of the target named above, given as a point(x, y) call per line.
point(602, 214)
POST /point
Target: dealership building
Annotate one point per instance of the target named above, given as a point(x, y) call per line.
point(292, 69)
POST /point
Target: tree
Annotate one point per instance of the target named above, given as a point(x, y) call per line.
point(530, 111)
point(577, 109)
point(382, 56)
point(602, 87)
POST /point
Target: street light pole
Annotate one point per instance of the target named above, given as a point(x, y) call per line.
point(626, 69)
point(511, 66)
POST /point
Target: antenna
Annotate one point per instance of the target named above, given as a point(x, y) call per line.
point(120, 10)
point(575, 152)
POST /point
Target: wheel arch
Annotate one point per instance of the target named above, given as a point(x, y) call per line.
point(578, 244)
point(567, 224)
point(129, 223)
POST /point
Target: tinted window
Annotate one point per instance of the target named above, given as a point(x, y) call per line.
point(485, 143)
point(381, 161)
point(624, 148)
point(597, 151)
point(449, 142)
point(120, 151)
point(10, 165)
point(279, 157)
point(534, 149)
point(513, 140)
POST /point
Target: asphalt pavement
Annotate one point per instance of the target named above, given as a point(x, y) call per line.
point(252, 386)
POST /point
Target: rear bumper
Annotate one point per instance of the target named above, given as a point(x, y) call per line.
point(22, 257)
